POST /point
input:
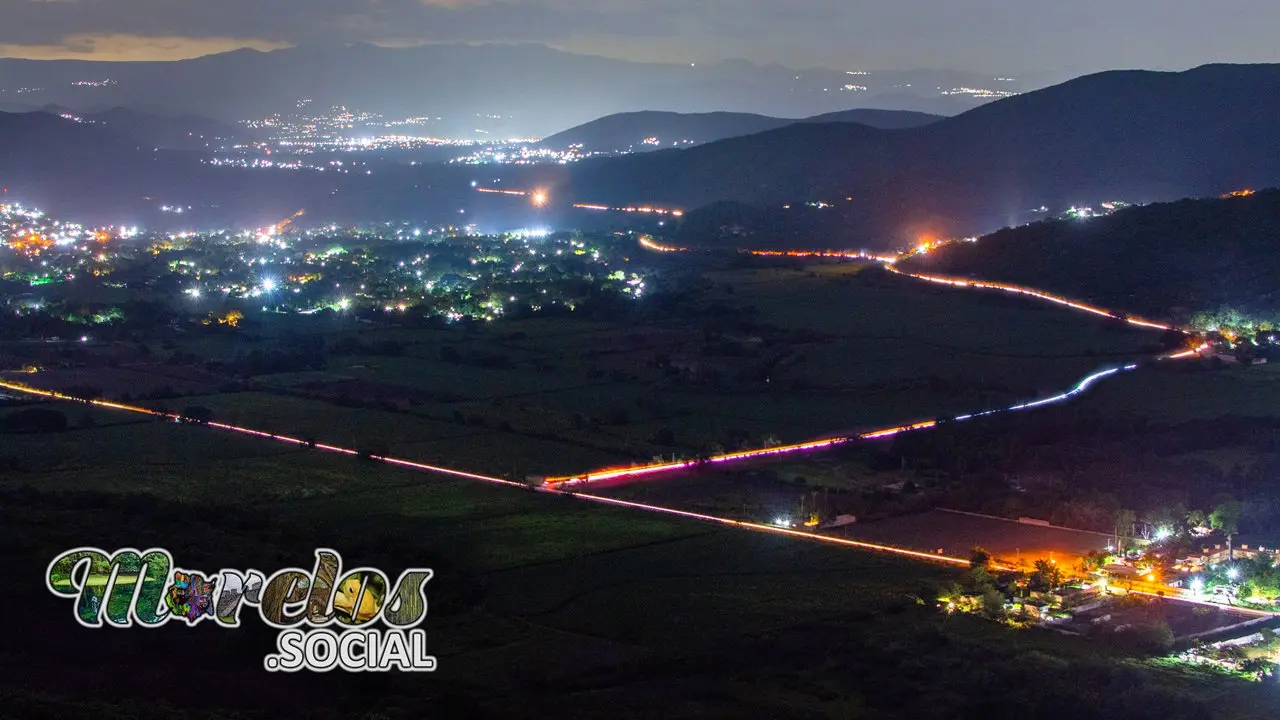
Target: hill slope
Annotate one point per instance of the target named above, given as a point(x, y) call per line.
point(184, 132)
point(1135, 136)
point(628, 131)
point(1170, 260)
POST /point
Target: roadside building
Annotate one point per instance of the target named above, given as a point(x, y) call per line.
point(1216, 554)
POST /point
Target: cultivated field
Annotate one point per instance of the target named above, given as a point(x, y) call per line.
point(540, 604)
point(813, 350)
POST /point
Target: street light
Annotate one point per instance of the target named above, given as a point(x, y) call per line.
point(1233, 573)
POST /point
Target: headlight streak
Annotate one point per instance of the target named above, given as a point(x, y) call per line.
point(644, 470)
point(1019, 290)
point(567, 485)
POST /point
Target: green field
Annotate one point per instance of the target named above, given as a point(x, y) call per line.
point(830, 350)
point(1179, 396)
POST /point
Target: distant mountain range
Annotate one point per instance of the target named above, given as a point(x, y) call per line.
point(655, 130)
point(521, 90)
point(1128, 135)
point(1132, 136)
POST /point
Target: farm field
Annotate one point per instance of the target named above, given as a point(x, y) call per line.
point(1009, 541)
point(1181, 396)
point(540, 604)
point(565, 395)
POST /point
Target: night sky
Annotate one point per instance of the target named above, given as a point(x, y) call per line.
point(979, 35)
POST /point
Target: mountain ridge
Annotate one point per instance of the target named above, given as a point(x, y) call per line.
point(463, 83)
point(1125, 135)
point(629, 130)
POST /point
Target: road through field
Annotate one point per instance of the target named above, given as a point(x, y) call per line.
point(573, 484)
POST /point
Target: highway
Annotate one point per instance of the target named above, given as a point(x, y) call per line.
point(423, 467)
point(1137, 587)
point(572, 484)
point(890, 263)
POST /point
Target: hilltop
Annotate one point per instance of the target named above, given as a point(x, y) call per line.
point(629, 131)
point(1183, 261)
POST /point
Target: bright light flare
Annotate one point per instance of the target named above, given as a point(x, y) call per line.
point(538, 198)
point(648, 243)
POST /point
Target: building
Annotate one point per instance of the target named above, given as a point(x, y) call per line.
point(1216, 554)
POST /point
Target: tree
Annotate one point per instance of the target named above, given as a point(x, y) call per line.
point(1046, 578)
point(1123, 526)
point(950, 592)
point(1195, 519)
point(993, 603)
point(1257, 667)
point(1245, 591)
point(1226, 519)
point(1095, 560)
point(979, 558)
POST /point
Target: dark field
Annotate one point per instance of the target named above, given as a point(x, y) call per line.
point(1180, 396)
point(541, 605)
point(955, 533)
point(803, 352)
point(1184, 619)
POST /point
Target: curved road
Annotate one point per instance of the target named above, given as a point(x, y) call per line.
point(569, 485)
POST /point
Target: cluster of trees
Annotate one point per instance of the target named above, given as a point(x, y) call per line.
point(1234, 321)
point(985, 591)
point(979, 591)
point(133, 319)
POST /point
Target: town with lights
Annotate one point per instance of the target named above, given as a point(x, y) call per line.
point(781, 409)
point(222, 320)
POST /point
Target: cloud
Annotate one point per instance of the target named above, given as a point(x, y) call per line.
point(133, 47)
point(966, 34)
point(56, 22)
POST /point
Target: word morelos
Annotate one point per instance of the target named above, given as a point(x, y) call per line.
point(130, 588)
